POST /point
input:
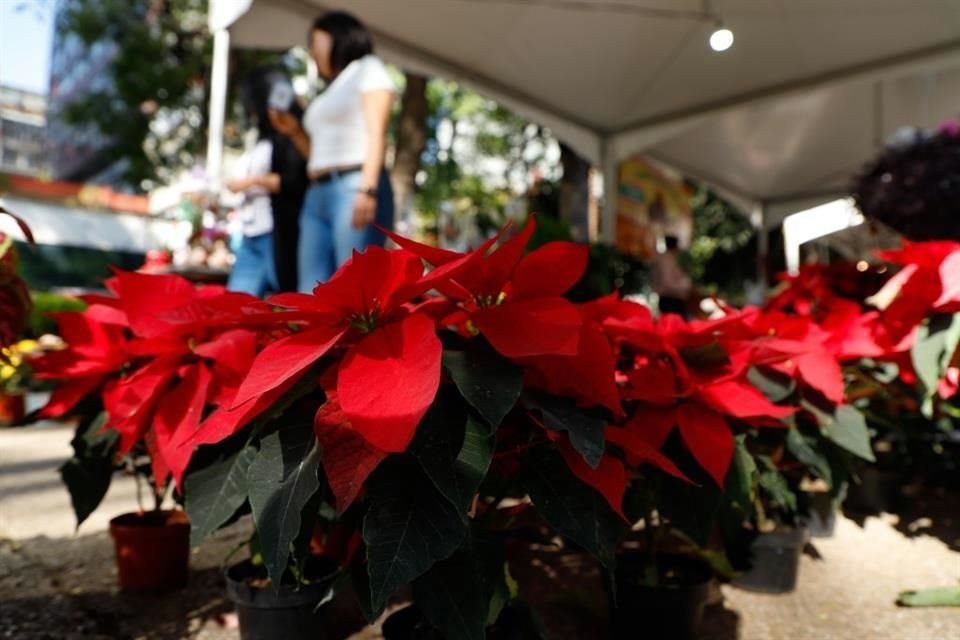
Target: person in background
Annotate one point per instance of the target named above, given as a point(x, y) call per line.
point(253, 270)
point(670, 282)
point(270, 88)
point(344, 139)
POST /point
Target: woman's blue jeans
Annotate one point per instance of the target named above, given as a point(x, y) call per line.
point(327, 235)
point(254, 271)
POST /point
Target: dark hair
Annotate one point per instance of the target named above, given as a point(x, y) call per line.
point(351, 40)
point(256, 97)
point(672, 242)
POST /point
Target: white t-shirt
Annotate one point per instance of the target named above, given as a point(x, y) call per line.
point(254, 211)
point(334, 120)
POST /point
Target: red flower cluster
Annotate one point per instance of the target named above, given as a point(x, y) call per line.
point(927, 283)
point(178, 367)
point(158, 352)
point(15, 303)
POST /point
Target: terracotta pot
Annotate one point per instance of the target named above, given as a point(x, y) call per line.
point(12, 409)
point(153, 550)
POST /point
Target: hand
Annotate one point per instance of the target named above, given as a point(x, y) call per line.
point(238, 185)
point(364, 210)
point(284, 123)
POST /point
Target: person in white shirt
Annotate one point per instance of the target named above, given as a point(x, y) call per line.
point(670, 281)
point(344, 138)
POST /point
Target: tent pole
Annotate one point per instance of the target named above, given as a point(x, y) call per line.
point(609, 165)
point(759, 219)
point(218, 106)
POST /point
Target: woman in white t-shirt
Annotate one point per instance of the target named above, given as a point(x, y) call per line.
point(344, 138)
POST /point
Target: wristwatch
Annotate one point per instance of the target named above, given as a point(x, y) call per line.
point(370, 191)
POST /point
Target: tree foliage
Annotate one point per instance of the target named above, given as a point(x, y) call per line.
point(152, 112)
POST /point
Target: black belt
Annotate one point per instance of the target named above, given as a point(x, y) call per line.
point(337, 173)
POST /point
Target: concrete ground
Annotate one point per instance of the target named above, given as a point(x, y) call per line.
point(33, 501)
point(59, 585)
point(850, 592)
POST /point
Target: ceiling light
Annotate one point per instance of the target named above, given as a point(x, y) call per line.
point(721, 39)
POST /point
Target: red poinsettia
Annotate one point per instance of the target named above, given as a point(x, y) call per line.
point(514, 300)
point(692, 377)
point(364, 312)
point(800, 349)
point(159, 351)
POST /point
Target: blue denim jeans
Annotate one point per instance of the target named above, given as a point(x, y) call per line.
point(254, 270)
point(327, 235)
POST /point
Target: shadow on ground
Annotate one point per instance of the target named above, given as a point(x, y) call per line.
point(921, 509)
point(720, 623)
point(108, 614)
point(65, 588)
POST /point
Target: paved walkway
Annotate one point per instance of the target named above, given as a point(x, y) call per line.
point(849, 594)
point(50, 576)
point(33, 500)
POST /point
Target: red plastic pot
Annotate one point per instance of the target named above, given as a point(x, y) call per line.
point(153, 550)
point(12, 409)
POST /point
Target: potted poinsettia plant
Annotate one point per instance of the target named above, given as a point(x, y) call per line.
point(443, 399)
point(140, 365)
point(15, 305)
point(15, 373)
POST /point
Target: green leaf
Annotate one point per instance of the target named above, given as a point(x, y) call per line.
point(360, 580)
point(408, 527)
point(691, 509)
point(436, 445)
point(584, 429)
point(936, 597)
point(455, 450)
point(801, 448)
point(848, 429)
point(475, 455)
point(571, 507)
point(214, 493)
point(776, 388)
point(776, 486)
point(458, 594)
point(708, 355)
point(282, 478)
point(937, 340)
point(300, 547)
point(88, 473)
point(487, 380)
point(741, 478)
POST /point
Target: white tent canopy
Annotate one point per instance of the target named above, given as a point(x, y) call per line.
point(782, 120)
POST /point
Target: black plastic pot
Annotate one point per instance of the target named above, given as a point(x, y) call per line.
point(774, 561)
point(670, 610)
point(290, 612)
point(819, 513)
point(874, 490)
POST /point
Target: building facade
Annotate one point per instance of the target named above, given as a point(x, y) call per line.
point(23, 120)
point(76, 69)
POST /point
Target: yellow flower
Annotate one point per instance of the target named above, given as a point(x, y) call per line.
point(26, 346)
point(6, 372)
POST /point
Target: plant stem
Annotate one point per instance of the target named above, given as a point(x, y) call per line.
point(139, 482)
